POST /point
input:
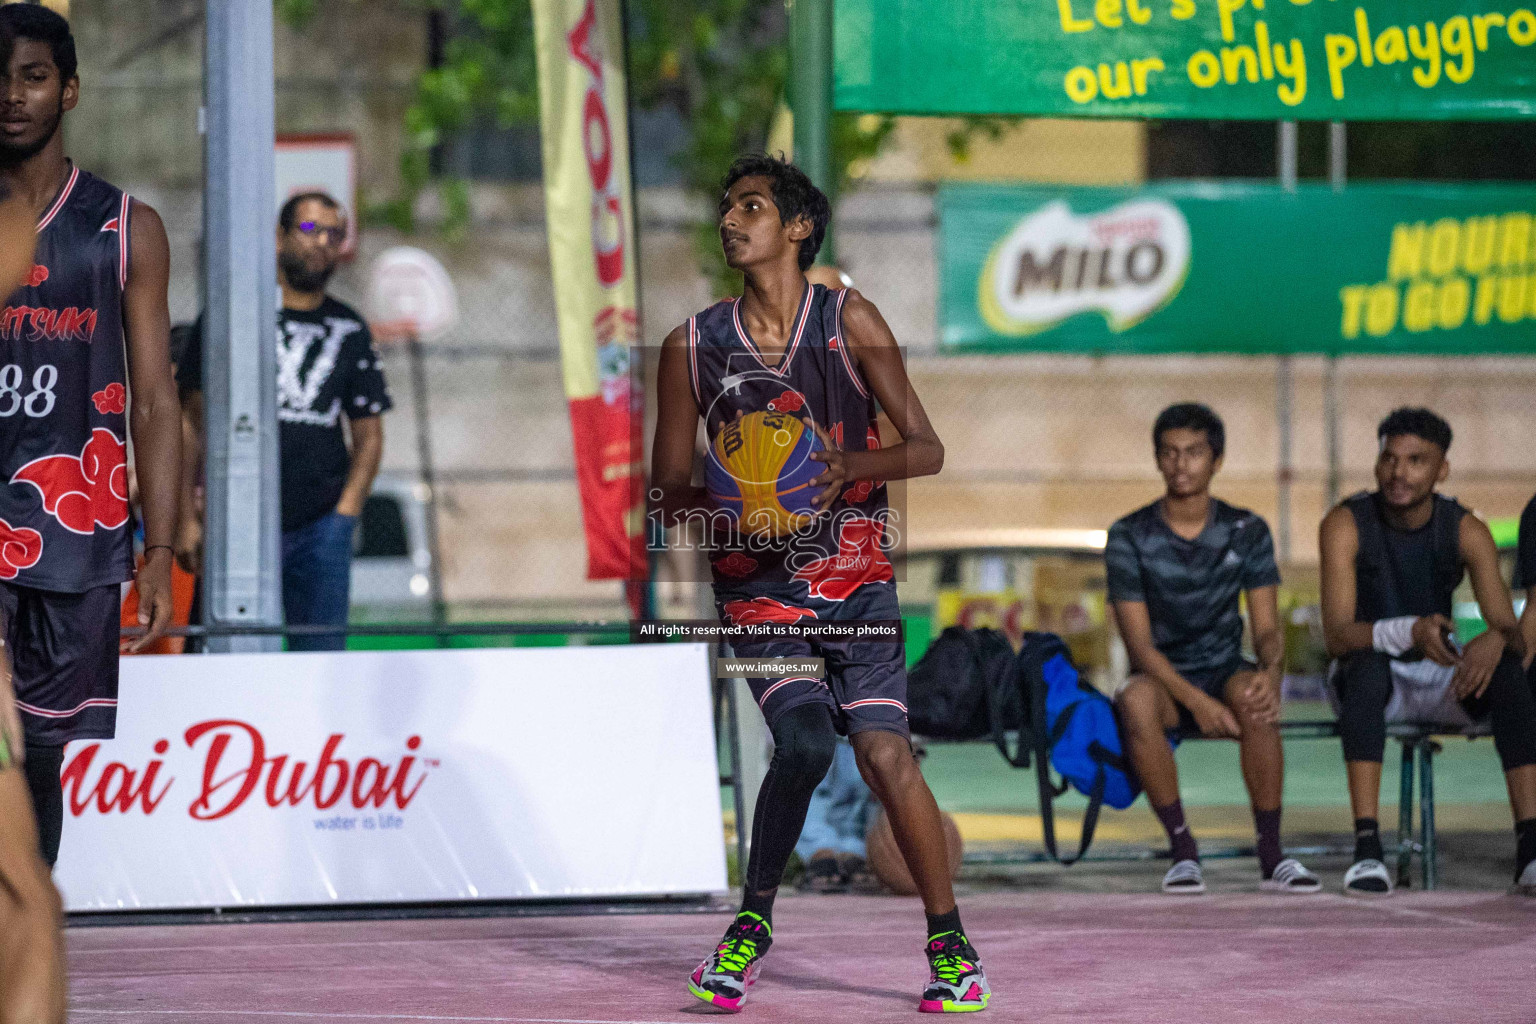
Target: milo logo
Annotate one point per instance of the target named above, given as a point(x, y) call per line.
point(1126, 262)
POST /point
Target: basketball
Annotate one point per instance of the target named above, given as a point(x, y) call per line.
point(760, 470)
point(885, 859)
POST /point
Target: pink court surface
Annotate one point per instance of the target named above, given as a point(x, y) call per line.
point(1229, 957)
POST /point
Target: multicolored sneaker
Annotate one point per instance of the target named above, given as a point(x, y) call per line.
point(724, 978)
point(957, 984)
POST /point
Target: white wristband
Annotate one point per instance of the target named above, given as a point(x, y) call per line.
point(1393, 636)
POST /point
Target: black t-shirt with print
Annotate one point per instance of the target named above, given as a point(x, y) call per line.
point(326, 365)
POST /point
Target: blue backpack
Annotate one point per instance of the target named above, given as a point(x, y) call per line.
point(1072, 727)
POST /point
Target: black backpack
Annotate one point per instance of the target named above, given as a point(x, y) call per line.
point(954, 688)
point(970, 685)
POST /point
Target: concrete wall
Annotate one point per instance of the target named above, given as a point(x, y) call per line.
point(351, 68)
point(1065, 442)
point(1032, 440)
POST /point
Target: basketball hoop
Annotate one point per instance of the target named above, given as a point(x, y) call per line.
point(410, 295)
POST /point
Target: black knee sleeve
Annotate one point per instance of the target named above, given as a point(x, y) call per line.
point(1510, 703)
point(42, 767)
point(1364, 682)
point(805, 742)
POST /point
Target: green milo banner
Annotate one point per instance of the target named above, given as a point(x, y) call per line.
point(1233, 59)
point(1239, 268)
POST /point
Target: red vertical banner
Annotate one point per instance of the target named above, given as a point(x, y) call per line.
point(589, 206)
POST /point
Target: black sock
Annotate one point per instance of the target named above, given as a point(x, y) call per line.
point(762, 906)
point(938, 924)
point(42, 769)
point(1180, 837)
point(1368, 840)
point(1266, 825)
point(1525, 844)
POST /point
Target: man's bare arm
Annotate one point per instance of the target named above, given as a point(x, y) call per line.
point(1481, 556)
point(367, 453)
point(677, 426)
point(873, 346)
point(1268, 637)
point(1135, 625)
point(1339, 543)
point(155, 417)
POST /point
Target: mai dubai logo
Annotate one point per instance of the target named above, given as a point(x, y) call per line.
point(1126, 262)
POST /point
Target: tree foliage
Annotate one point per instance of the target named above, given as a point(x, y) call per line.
point(723, 65)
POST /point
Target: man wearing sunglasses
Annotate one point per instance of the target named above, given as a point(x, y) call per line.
point(326, 366)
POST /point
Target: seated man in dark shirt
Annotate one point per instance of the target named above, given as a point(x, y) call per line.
point(1392, 559)
point(1176, 571)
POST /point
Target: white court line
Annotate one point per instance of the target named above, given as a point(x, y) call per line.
point(362, 1016)
point(1378, 903)
point(992, 937)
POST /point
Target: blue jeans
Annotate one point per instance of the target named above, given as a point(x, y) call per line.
point(317, 580)
point(841, 809)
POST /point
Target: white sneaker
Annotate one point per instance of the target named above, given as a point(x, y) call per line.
point(1525, 885)
point(1367, 877)
point(1290, 876)
point(1184, 879)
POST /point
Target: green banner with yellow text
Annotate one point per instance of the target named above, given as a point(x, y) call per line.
point(1221, 59)
point(1378, 268)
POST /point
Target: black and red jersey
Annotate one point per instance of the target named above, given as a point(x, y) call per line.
point(817, 380)
point(64, 399)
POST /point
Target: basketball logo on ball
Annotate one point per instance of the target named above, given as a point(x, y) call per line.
point(760, 470)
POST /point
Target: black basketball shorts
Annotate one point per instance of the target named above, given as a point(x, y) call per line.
point(866, 681)
point(64, 650)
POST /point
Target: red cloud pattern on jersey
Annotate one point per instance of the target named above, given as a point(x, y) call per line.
point(859, 492)
point(38, 276)
point(765, 609)
point(112, 398)
point(789, 401)
point(736, 564)
point(20, 548)
point(859, 560)
point(81, 491)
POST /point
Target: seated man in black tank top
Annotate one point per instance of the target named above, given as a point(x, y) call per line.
point(1391, 560)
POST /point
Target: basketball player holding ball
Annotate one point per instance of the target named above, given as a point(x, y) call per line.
point(823, 357)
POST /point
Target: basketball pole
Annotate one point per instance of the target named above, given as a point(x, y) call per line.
point(653, 543)
point(427, 470)
point(243, 541)
point(1338, 176)
point(1285, 384)
point(810, 96)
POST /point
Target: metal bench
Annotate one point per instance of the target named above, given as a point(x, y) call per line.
point(1420, 745)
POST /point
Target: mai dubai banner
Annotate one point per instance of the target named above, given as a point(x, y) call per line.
point(1239, 267)
point(397, 776)
point(1236, 59)
point(591, 216)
